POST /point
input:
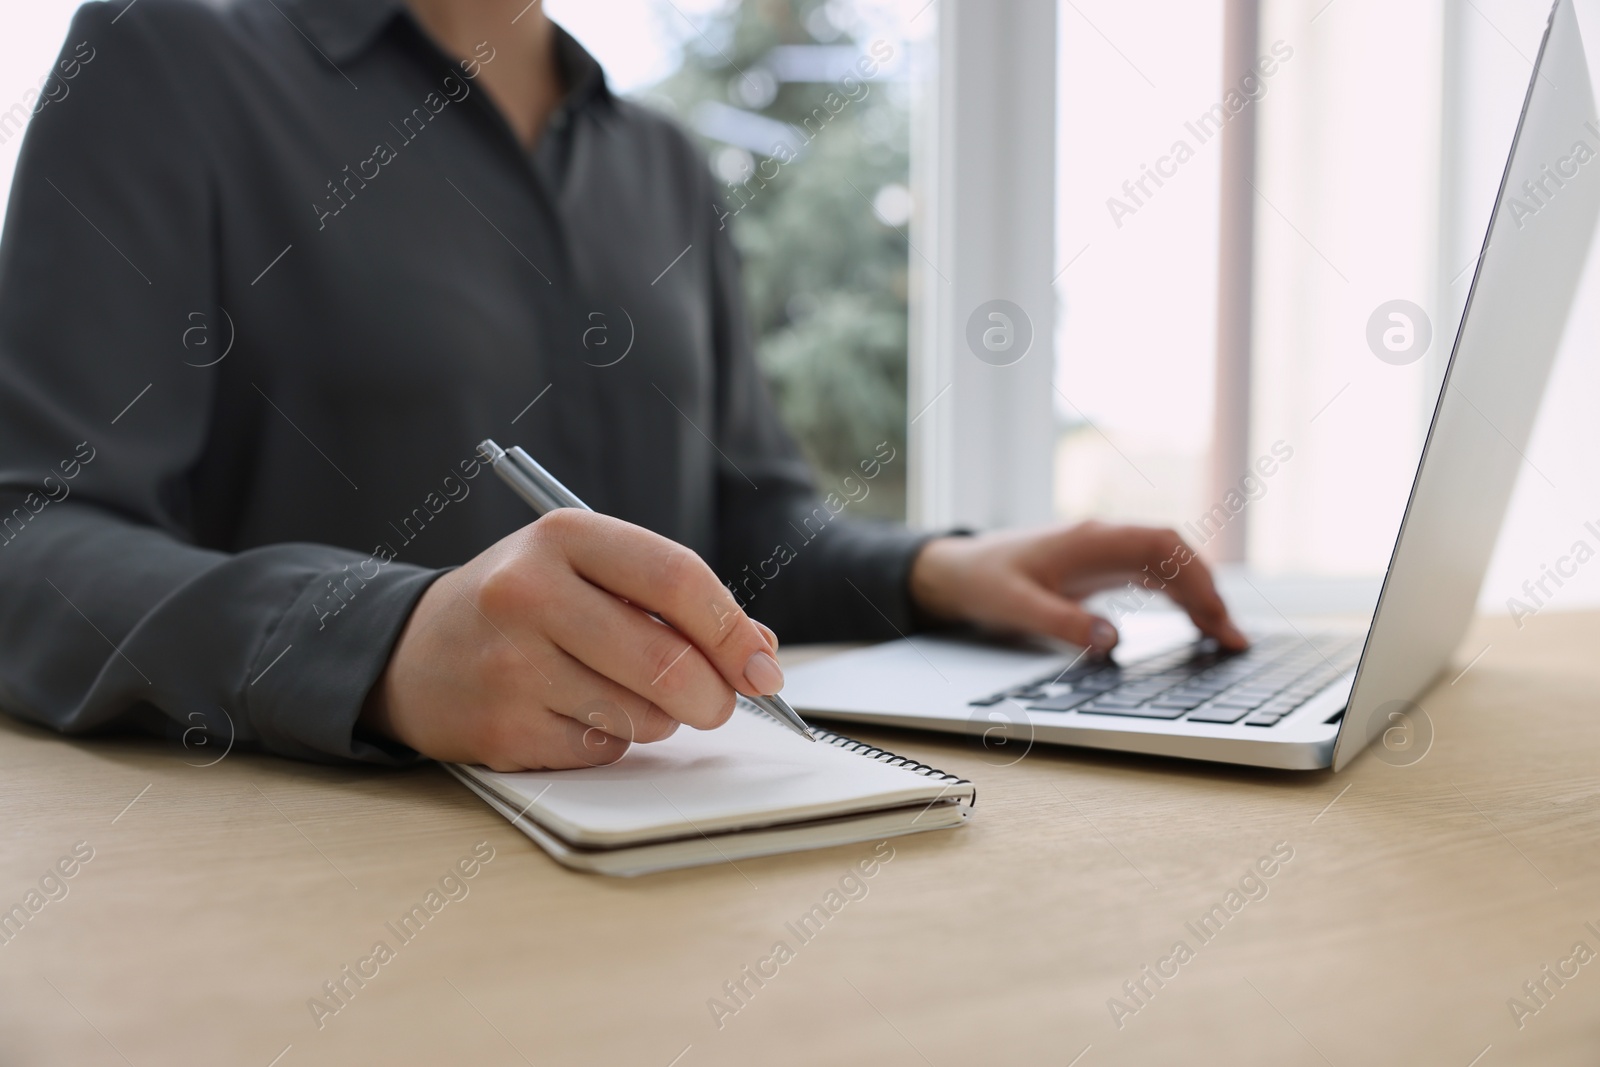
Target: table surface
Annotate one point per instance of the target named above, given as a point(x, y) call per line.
point(1420, 897)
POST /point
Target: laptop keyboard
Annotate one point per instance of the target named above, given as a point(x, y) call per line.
point(1196, 683)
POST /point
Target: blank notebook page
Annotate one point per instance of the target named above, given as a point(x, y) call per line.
point(750, 772)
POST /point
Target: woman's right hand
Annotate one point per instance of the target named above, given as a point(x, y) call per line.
point(539, 654)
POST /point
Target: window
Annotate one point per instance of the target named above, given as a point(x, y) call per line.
point(28, 49)
point(1346, 99)
point(1347, 220)
point(1136, 248)
point(1380, 142)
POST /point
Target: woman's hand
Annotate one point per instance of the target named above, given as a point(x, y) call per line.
point(1034, 580)
point(539, 654)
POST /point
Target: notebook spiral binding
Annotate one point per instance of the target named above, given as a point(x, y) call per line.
point(882, 755)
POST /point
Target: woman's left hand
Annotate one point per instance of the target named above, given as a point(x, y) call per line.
point(1034, 580)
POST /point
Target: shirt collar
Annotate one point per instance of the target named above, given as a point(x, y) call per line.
point(582, 73)
point(342, 29)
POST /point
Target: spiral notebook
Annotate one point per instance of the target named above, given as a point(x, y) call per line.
point(749, 788)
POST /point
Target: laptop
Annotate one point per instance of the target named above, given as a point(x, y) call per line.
point(1303, 699)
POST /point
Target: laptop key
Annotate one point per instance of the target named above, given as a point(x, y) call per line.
point(1142, 711)
point(1064, 702)
point(1098, 683)
point(1118, 701)
point(1217, 714)
point(983, 702)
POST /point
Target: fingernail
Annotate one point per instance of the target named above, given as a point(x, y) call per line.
point(763, 674)
point(1102, 635)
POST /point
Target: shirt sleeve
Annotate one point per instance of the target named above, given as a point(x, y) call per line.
point(791, 556)
point(110, 614)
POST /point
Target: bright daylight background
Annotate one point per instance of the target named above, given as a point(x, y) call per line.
point(1354, 145)
point(1357, 136)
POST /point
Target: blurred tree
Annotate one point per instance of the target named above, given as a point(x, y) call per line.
point(819, 229)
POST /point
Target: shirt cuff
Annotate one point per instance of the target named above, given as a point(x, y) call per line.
point(314, 669)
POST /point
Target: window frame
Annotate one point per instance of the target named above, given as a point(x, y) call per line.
point(981, 437)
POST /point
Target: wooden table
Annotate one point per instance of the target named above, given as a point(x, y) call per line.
point(1418, 901)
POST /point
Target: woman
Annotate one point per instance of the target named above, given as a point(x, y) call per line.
point(269, 273)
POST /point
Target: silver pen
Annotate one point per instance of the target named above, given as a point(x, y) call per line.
point(543, 492)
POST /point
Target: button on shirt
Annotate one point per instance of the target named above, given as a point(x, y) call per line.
point(269, 273)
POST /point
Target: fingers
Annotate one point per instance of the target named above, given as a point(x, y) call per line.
point(598, 703)
point(652, 661)
point(545, 741)
point(659, 575)
point(1164, 562)
point(1032, 606)
point(1190, 585)
point(580, 719)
